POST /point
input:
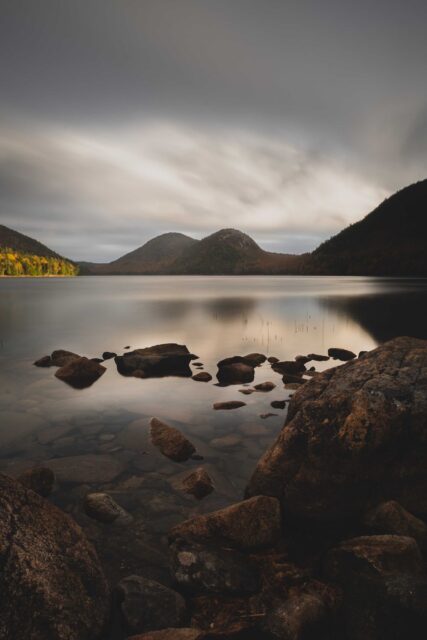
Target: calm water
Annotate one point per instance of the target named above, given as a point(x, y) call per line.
point(42, 418)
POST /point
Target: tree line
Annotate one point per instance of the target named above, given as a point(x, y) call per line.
point(16, 263)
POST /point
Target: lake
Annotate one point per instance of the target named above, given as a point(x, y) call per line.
point(42, 418)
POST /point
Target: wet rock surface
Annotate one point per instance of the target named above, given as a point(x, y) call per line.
point(341, 354)
point(170, 441)
point(147, 605)
point(391, 518)
point(198, 483)
point(157, 361)
point(102, 507)
point(51, 582)
point(235, 373)
point(80, 372)
point(352, 432)
point(290, 367)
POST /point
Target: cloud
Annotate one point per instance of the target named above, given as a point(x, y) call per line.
point(97, 194)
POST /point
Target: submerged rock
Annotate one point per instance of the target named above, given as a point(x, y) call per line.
point(170, 441)
point(102, 507)
point(384, 584)
point(226, 442)
point(265, 386)
point(200, 568)
point(341, 354)
point(45, 361)
point(85, 469)
point(203, 376)
point(391, 518)
point(235, 373)
point(198, 483)
point(39, 479)
point(157, 361)
point(248, 524)
point(228, 405)
point(147, 605)
point(80, 372)
point(354, 435)
point(51, 582)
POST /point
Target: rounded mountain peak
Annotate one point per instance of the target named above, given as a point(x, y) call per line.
point(233, 238)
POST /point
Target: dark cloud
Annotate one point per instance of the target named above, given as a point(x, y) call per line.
point(131, 117)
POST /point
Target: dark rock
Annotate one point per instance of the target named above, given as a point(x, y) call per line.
point(289, 378)
point(362, 353)
point(107, 355)
point(341, 354)
point(265, 386)
point(302, 359)
point(102, 507)
point(230, 404)
point(391, 518)
point(98, 360)
point(80, 372)
point(279, 404)
point(235, 373)
point(273, 359)
point(156, 362)
point(246, 525)
point(354, 436)
point(255, 359)
point(51, 582)
point(317, 357)
point(289, 367)
point(45, 361)
point(198, 483)
point(170, 441)
point(171, 634)
point(85, 469)
point(38, 479)
point(203, 376)
point(60, 357)
point(384, 585)
point(200, 568)
point(247, 392)
point(146, 605)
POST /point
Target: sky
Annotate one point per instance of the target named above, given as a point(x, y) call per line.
point(288, 120)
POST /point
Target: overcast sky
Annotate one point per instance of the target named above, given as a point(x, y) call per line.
point(288, 120)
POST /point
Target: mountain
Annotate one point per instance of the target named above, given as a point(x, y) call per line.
point(155, 256)
point(21, 255)
point(229, 252)
point(389, 241)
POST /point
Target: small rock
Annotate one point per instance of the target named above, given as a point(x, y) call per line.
point(265, 386)
point(264, 416)
point(255, 359)
point(198, 364)
point(60, 357)
point(341, 354)
point(107, 355)
point(198, 483)
point(226, 442)
point(236, 373)
point(272, 359)
point(102, 507)
point(98, 360)
point(170, 441)
point(247, 392)
point(317, 357)
point(289, 367)
point(45, 361)
point(391, 518)
point(203, 376)
point(146, 605)
point(247, 524)
point(199, 568)
point(39, 479)
point(230, 404)
point(279, 404)
point(361, 353)
point(289, 378)
point(80, 372)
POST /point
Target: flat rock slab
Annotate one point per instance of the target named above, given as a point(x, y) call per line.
point(85, 469)
point(157, 361)
point(51, 582)
point(352, 432)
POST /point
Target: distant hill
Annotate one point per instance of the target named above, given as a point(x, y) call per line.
point(21, 255)
point(154, 257)
point(389, 241)
point(229, 252)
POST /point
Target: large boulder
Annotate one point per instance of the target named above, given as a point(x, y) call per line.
point(248, 524)
point(384, 585)
point(354, 435)
point(156, 362)
point(51, 584)
point(80, 372)
point(235, 373)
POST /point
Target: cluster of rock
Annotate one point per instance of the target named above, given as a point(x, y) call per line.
point(77, 371)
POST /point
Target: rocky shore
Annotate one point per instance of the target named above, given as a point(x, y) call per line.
point(329, 541)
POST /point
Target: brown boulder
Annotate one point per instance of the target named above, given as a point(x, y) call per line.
point(354, 436)
point(248, 524)
point(198, 483)
point(255, 359)
point(227, 406)
point(170, 441)
point(291, 367)
point(203, 376)
point(156, 361)
point(384, 586)
point(235, 373)
point(80, 372)
point(51, 582)
point(391, 518)
point(341, 354)
point(102, 507)
point(265, 386)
